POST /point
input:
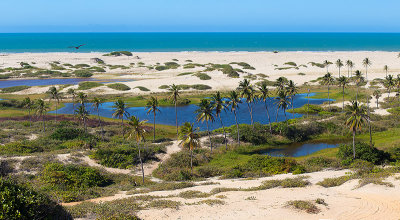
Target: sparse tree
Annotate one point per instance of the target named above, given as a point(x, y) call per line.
point(136, 132)
point(152, 107)
point(357, 117)
point(205, 113)
point(366, 63)
point(219, 105)
point(264, 95)
point(377, 94)
point(247, 92)
point(189, 138)
point(233, 104)
point(96, 103)
point(41, 110)
point(328, 80)
point(120, 111)
point(339, 64)
point(174, 90)
point(29, 104)
point(343, 81)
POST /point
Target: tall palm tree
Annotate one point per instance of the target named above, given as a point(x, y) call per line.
point(120, 112)
point(343, 81)
point(359, 79)
point(56, 96)
point(72, 93)
point(247, 92)
point(152, 107)
point(328, 80)
point(41, 109)
point(174, 96)
point(219, 106)
point(357, 117)
point(377, 94)
point(82, 98)
point(97, 102)
point(189, 138)
point(280, 83)
point(327, 64)
point(386, 69)
point(83, 115)
point(205, 113)
point(29, 104)
point(233, 104)
point(264, 95)
point(389, 83)
point(282, 101)
point(136, 132)
point(292, 92)
point(350, 66)
point(339, 64)
point(366, 63)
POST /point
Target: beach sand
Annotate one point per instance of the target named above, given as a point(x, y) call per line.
point(263, 62)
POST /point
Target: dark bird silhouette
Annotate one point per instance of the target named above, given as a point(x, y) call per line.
point(77, 46)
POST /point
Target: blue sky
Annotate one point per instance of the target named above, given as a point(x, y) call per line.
point(199, 15)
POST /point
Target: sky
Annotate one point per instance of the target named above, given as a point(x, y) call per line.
point(199, 16)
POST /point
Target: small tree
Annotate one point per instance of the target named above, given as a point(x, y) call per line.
point(204, 113)
point(357, 116)
point(137, 131)
point(189, 138)
point(152, 107)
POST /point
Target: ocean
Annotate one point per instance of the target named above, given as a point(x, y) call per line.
point(172, 42)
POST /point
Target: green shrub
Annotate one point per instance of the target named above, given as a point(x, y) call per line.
point(244, 65)
point(119, 86)
point(200, 87)
point(81, 65)
point(83, 73)
point(270, 165)
point(228, 70)
point(203, 76)
point(142, 88)
point(71, 176)
point(363, 152)
point(20, 202)
point(19, 148)
point(65, 134)
point(97, 69)
point(259, 135)
point(88, 85)
point(119, 53)
point(307, 206)
point(335, 181)
point(163, 87)
point(14, 89)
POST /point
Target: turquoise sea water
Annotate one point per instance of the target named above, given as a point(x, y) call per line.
point(101, 42)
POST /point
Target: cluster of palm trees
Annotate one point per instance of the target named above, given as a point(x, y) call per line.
point(350, 65)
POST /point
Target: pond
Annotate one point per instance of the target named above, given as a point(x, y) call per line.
point(187, 113)
point(47, 82)
point(302, 149)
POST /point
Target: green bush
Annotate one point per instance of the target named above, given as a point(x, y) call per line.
point(65, 134)
point(18, 148)
point(20, 202)
point(119, 86)
point(83, 73)
point(142, 88)
point(203, 76)
point(363, 152)
point(72, 176)
point(271, 165)
point(14, 89)
point(200, 87)
point(88, 85)
point(228, 70)
point(259, 135)
point(119, 53)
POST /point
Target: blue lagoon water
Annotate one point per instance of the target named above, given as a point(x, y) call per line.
point(101, 42)
point(186, 113)
point(43, 82)
point(300, 149)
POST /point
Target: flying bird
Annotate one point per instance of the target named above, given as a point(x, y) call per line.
point(77, 46)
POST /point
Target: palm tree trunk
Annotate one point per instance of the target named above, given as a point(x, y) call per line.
point(223, 128)
point(176, 120)
point(339, 71)
point(237, 128)
point(101, 125)
point(251, 113)
point(354, 144)
point(191, 161)
point(357, 94)
point(348, 71)
point(154, 127)
point(209, 135)
point(269, 118)
point(343, 100)
point(141, 162)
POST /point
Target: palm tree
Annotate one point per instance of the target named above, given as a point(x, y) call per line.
point(136, 132)
point(343, 81)
point(82, 98)
point(357, 117)
point(366, 63)
point(73, 94)
point(264, 95)
point(328, 80)
point(292, 92)
point(350, 66)
point(152, 107)
point(389, 83)
point(377, 94)
point(189, 138)
point(282, 101)
point(219, 105)
point(54, 94)
point(97, 102)
point(359, 79)
point(174, 96)
point(83, 115)
point(41, 109)
point(339, 64)
point(119, 112)
point(28, 104)
point(280, 83)
point(247, 92)
point(327, 64)
point(386, 69)
point(233, 103)
point(204, 113)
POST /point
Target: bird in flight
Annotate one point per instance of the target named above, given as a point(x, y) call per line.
point(77, 46)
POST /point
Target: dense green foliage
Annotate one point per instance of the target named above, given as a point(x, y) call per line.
point(67, 133)
point(83, 73)
point(14, 89)
point(88, 85)
point(363, 152)
point(119, 86)
point(119, 53)
point(21, 202)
